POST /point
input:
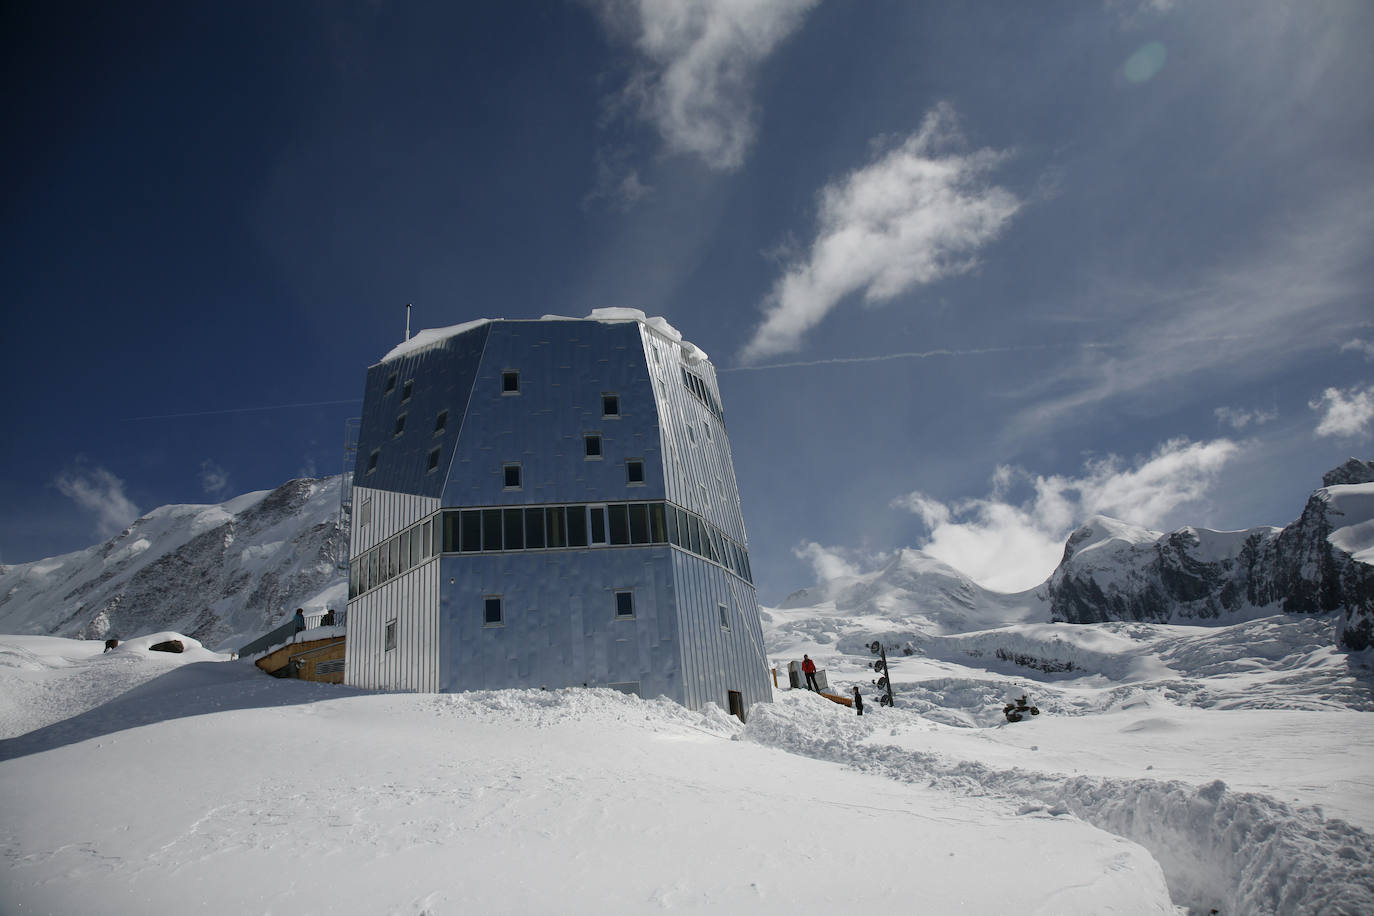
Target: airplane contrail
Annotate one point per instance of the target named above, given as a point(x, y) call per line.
point(920, 354)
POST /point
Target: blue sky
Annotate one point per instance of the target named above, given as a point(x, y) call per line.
point(970, 272)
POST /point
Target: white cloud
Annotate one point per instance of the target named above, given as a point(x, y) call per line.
point(1238, 418)
point(917, 213)
point(829, 563)
point(697, 67)
point(1246, 317)
point(1010, 545)
point(213, 478)
point(1359, 346)
point(617, 182)
point(1347, 413)
point(101, 492)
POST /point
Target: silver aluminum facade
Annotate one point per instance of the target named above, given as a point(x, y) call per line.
point(441, 428)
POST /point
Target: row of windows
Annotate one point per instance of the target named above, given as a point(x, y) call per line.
point(698, 387)
point(546, 528)
point(494, 615)
point(510, 384)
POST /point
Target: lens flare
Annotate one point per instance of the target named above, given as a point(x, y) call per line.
point(1142, 66)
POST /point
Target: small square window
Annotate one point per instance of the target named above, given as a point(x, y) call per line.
point(372, 460)
point(441, 421)
point(433, 461)
point(512, 476)
point(390, 384)
point(724, 617)
point(634, 472)
point(610, 405)
point(625, 603)
point(591, 445)
point(510, 381)
point(389, 637)
point(407, 389)
point(400, 425)
point(493, 615)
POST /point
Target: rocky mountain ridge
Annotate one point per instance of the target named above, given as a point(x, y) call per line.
point(1317, 564)
point(218, 573)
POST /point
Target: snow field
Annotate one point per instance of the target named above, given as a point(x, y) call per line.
point(583, 801)
point(1238, 852)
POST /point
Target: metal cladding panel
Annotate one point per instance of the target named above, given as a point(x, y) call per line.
point(437, 378)
point(378, 514)
point(564, 369)
point(716, 660)
point(560, 627)
point(699, 471)
point(412, 600)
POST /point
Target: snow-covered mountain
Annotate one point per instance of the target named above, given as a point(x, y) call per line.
point(226, 573)
point(220, 573)
point(1319, 564)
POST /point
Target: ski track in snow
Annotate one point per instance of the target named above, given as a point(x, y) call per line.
point(1160, 688)
point(1237, 852)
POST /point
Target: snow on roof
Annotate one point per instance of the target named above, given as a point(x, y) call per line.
point(432, 337)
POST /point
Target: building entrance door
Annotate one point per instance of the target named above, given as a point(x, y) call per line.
point(736, 703)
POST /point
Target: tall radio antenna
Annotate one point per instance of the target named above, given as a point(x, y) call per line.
point(407, 321)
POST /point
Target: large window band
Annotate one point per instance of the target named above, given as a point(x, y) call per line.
point(525, 528)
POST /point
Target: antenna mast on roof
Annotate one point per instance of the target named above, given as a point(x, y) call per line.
point(407, 321)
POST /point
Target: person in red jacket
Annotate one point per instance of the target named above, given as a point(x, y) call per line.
point(809, 668)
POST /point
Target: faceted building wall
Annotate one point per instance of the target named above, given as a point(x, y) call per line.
point(551, 503)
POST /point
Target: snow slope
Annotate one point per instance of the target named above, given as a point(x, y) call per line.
point(208, 786)
point(191, 796)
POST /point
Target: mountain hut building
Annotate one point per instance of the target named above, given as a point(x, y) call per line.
point(551, 503)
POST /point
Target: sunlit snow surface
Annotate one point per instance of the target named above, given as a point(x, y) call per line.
point(1170, 767)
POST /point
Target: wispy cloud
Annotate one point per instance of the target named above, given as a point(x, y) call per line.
point(829, 563)
point(1346, 414)
point(1010, 544)
point(1238, 417)
point(99, 491)
point(919, 212)
point(213, 478)
point(697, 65)
point(1364, 347)
point(1298, 289)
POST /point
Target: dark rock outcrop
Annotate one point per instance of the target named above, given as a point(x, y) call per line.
point(1114, 571)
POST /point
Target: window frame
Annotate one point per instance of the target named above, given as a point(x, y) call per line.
point(407, 390)
point(372, 460)
point(434, 454)
point(400, 425)
point(629, 477)
point(389, 634)
point(724, 616)
point(614, 399)
point(500, 621)
point(508, 376)
point(629, 593)
point(587, 440)
point(441, 422)
point(506, 468)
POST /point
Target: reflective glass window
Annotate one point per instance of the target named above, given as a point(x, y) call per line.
point(596, 519)
point(472, 530)
point(515, 528)
point(491, 529)
point(639, 523)
point(555, 527)
point(577, 526)
point(534, 528)
point(620, 524)
point(658, 532)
